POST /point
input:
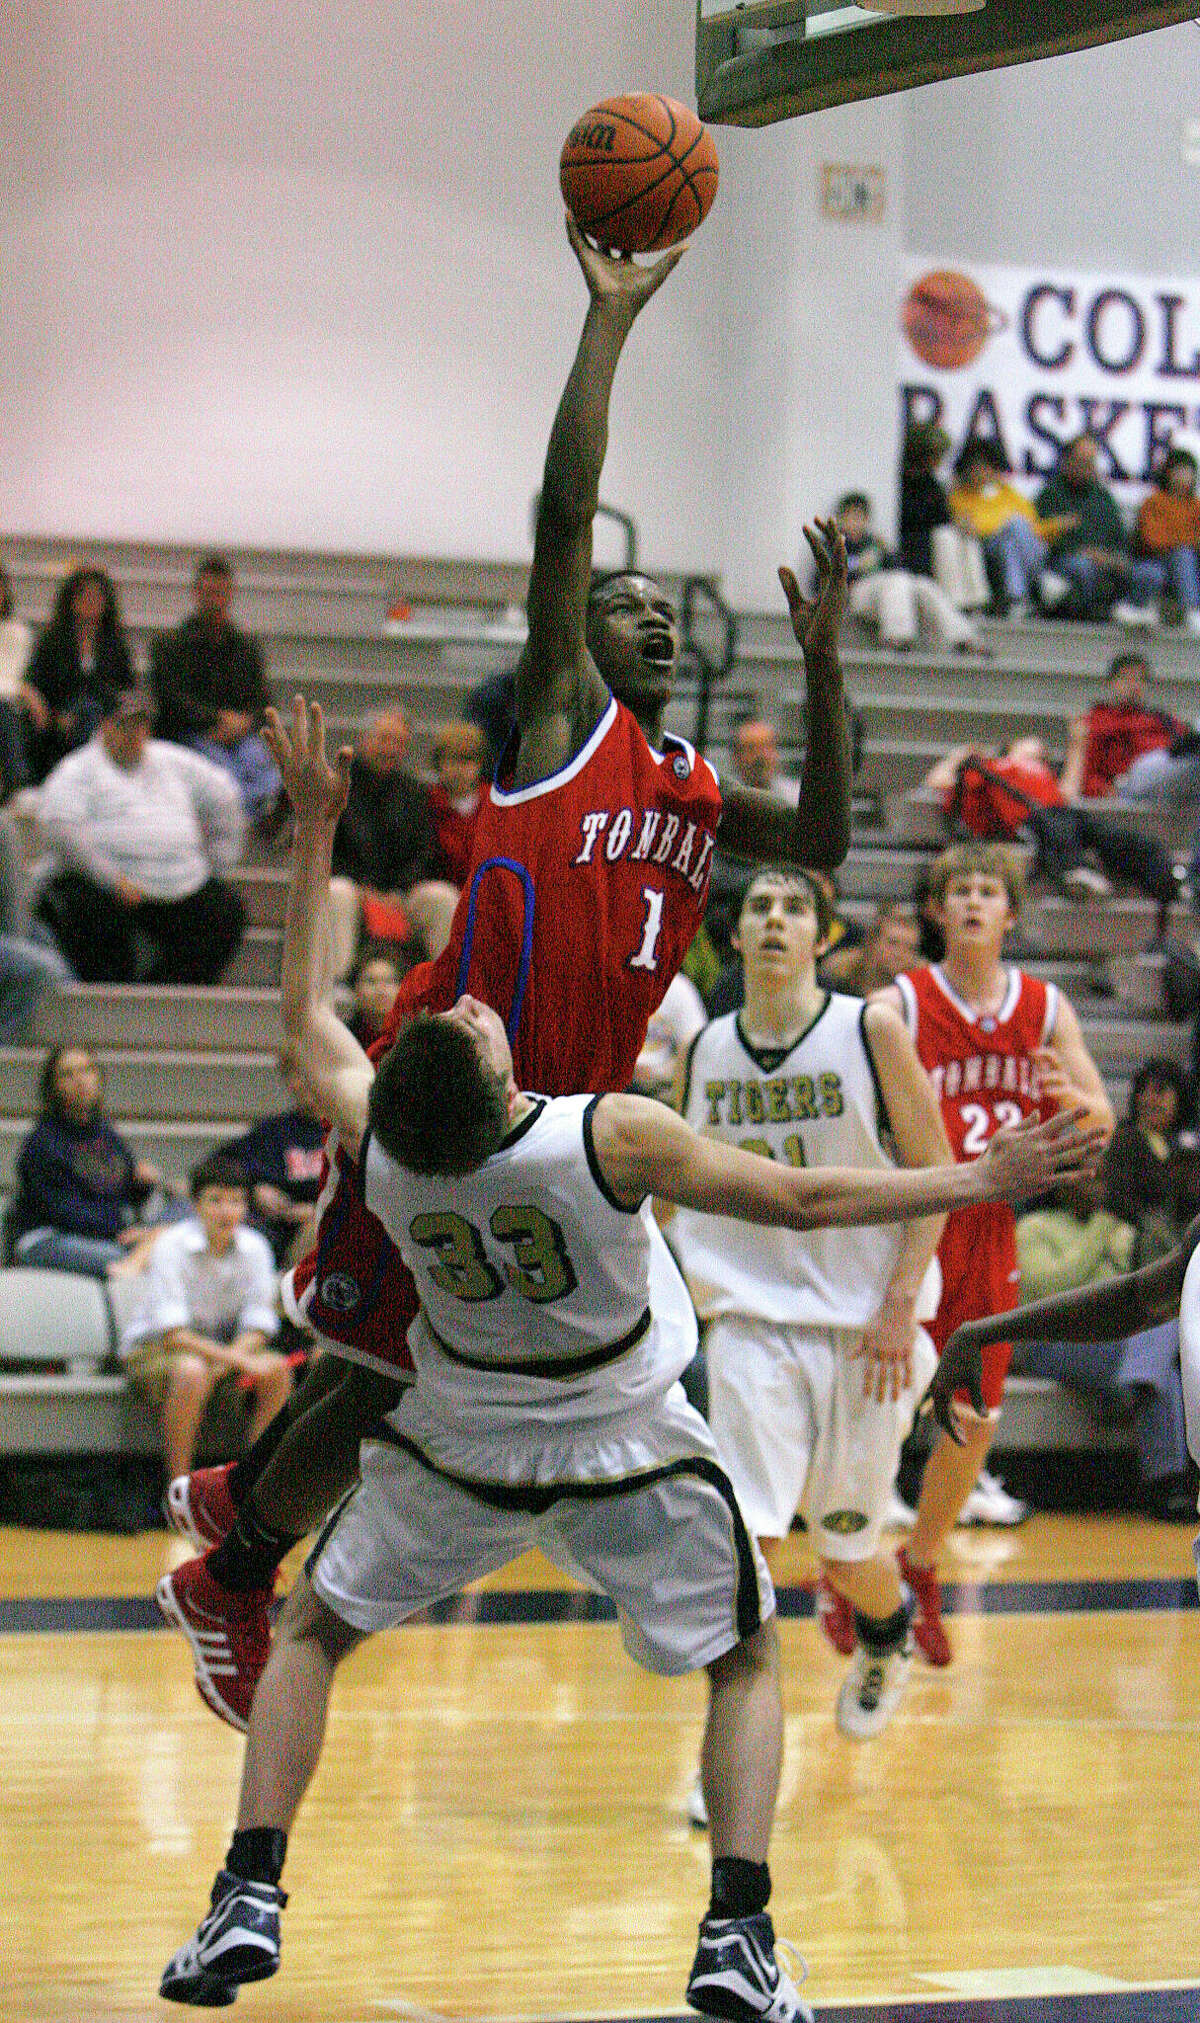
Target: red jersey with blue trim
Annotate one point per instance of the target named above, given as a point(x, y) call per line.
point(984, 1075)
point(586, 890)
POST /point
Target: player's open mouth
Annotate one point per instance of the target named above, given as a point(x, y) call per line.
point(658, 648)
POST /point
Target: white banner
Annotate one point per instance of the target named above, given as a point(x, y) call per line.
point(1031, 357)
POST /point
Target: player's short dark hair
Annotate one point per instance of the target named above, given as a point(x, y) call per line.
point(795, 874)
point(434, 1105)
point(218, 1170)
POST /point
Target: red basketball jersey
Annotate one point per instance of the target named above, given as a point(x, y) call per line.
point(984, 1075)
point(585, 893)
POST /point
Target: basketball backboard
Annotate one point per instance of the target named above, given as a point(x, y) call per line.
point(774, 59)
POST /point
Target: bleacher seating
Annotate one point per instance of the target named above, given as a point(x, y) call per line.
point(186, 1069)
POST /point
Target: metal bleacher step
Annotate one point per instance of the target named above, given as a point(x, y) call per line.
point(158, 1083)
point(161, 1016)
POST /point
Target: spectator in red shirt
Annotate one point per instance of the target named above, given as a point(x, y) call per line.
point(456, 795)
point(1124, 746)
point(1018, 795)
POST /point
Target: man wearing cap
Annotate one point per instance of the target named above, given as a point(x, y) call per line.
point(138, 831)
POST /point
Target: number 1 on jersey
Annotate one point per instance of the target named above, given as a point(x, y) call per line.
point(646, 957)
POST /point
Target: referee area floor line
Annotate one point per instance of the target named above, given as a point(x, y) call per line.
point(530, 1607)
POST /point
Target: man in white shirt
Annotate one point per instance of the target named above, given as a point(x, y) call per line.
point(139, 830)
point(206, 1312)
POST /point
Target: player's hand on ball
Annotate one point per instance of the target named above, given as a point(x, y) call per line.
point(615, 277)
point(960, 1368)
point(817, 621)
point(316, 789)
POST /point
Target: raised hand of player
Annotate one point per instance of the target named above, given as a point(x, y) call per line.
point(817, 621)
point(616, 278)
point(886, 1352)
point(1023, 1160)
point(960, 1368)
point(316, 789)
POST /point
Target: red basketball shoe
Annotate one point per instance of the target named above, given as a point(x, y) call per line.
point(928, 1629)
point(200, 1508)
point(230, 1636)
point(836, 1617)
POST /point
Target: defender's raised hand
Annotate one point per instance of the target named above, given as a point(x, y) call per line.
point(817, 621)
point(960, 1368)
point(316, 789)
point(1023, 1160)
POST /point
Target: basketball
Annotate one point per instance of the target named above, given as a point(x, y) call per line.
point(948, 319)
point(638, 173)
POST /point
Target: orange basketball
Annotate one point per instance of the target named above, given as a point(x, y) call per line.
point(948, 319)
point(638, 173)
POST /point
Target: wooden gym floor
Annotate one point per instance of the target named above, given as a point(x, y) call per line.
point(496, 1829)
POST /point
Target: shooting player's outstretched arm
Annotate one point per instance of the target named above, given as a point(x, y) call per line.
point(329, 1056)
point(1106, 1312)
point(644, 1148)
point(817, 831)
point(559, 693)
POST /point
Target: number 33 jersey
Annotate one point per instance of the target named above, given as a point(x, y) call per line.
point(984, 1075)
point(536, 1286)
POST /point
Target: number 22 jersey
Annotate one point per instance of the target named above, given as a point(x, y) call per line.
point(984, 1076)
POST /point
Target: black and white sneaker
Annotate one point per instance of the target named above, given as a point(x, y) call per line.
point(237, 1941)
point(735, 1974)
point(873, 1689)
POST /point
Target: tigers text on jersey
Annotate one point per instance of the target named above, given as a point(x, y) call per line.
point(535, 1286)
point(981, 1067)
point(816, 1103)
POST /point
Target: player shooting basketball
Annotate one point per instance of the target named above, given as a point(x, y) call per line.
point(589, 880)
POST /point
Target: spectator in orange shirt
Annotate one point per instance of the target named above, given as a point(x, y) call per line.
point(456, 795)
point(1169, 530)
point(1124, 746)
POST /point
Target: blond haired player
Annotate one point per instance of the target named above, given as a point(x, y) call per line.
point(815, 1351)
point(998, 1045)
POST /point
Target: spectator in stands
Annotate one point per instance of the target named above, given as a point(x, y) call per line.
point(375, 980)
point(30, 965)
point(1152, 1167)
point(205, 1315)
point(892, 943)
point(19, 704)
point(83, 1201)
point(1072, 1241)
point(1090, 571)
point(456, 795)
point(1168, 526)
point(890, 597)
point(283, 1159)
point(139, 831)
point(927, 907)
point(670, 1033)
point(492, 704)
point(211, 687)
point(1016, 795)
point(81, 663)
point(931, 542)
point(754, 750)
point(1126, 747)
point(1014, 537)
point(385, 854)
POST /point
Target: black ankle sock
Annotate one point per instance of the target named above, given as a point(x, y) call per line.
point(249, 1556)
point(882, 1634)
point(257, 1854)
point(739, 1888)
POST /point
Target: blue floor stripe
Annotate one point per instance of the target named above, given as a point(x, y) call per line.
point(499, 1606)
point(1135, 2005)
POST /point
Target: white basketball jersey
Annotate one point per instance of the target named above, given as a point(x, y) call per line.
point(816, 1103)
point(535, 1285)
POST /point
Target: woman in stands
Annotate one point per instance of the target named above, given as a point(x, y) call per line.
point(84, 1202)
point(80, 664)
